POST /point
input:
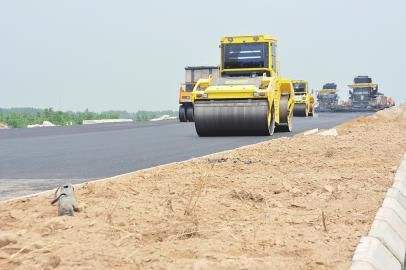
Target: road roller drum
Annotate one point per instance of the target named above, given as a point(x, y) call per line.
point(232, 117)
point(300, 109)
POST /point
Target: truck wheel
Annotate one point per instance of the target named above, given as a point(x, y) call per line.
point(182, 113)
point(190, 114)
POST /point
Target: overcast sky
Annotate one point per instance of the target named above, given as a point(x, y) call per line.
point(103, 55)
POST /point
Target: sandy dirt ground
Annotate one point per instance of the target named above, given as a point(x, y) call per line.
point(299, 203)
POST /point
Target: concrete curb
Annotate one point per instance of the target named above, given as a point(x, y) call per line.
point(329, 132)
point(372, 255)
point(385, 245)
point(310, 131)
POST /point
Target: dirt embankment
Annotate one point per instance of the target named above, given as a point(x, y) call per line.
point(299, 203)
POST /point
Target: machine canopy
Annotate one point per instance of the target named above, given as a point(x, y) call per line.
point(245, 55)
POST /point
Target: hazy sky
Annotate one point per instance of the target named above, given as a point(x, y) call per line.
point(130, 55)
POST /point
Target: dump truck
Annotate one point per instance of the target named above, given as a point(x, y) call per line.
point(249, 97)
point(192, 75)
point(304, 100)
point(327, 98)
point(364, 96)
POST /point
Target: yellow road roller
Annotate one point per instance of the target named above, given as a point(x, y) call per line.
point(249, 97)
point(304, 100)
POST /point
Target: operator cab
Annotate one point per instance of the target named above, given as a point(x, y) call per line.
point(300, 88)
point(248, 56)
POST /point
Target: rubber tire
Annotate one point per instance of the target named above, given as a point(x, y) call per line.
point(182, 113)
point(271, 125)
point(284, 111)
point(190, 114)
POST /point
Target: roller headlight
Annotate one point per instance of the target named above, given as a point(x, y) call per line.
point(202, 95)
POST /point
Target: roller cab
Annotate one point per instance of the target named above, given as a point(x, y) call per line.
point(304, 100)
point(249, 97)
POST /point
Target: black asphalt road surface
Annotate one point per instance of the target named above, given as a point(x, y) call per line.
point(37, 159)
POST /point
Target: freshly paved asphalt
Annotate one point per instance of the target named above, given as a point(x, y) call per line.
point(33, 160)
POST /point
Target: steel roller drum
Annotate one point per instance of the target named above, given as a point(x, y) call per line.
point(231, 117)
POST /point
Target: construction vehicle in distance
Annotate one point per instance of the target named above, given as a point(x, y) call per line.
point(304, 100)
point(249, 97)
point(327, 98)
point(364, 96)
point(192, 75)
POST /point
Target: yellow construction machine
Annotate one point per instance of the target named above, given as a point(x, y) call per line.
point(327, 98)
point(249, 97)
point(304, 100)
point(192, 75)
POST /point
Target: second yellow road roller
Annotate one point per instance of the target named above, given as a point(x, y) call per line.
point(249, 97)
point(304, 100)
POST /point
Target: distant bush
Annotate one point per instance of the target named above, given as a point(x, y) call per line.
point(21, 117)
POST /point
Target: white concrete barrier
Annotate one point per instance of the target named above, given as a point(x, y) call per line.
point(395, 205)
point(383, 232)
point(400, 175)
point(102, 121)
point(397, 195)
point(311, 131)
point(385, 245)
point(361, 265)
point(371, 254)
point(401, 186)
point(329, 132)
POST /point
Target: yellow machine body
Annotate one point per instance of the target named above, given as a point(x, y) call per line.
point(184, 96)
point(248, 91)
point(304, 100)
point(192, 75)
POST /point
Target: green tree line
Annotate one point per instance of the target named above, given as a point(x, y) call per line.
point(21, 117)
